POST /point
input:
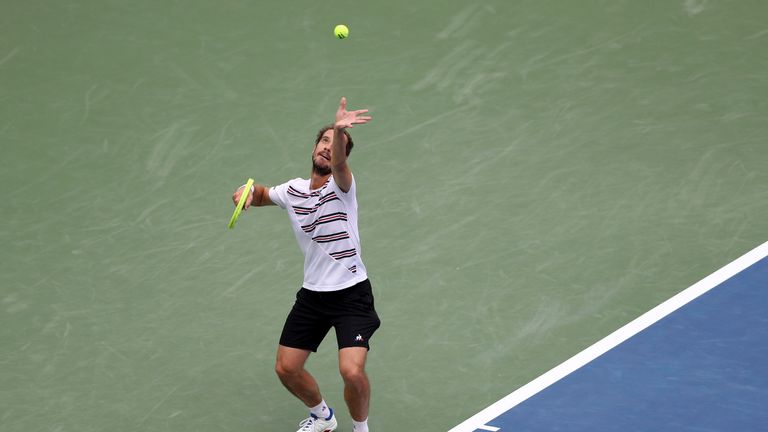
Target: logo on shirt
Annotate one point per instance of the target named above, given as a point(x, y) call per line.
point(359, 338)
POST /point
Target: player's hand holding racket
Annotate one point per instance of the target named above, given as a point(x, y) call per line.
point(248, 198)
point(242, 198)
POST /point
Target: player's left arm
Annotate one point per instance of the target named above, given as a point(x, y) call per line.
point(339, 166)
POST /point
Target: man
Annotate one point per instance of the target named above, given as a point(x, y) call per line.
point(336, 291)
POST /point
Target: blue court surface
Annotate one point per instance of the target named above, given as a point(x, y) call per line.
point(697, 362)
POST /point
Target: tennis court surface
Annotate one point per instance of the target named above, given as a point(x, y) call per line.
point(694, 363)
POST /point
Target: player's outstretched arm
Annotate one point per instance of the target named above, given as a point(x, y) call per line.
point(344, 119)
point(259, 196)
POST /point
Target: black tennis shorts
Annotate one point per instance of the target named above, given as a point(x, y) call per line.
point(350, 311)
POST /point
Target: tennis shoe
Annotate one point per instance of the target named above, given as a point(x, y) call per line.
point(316, 424)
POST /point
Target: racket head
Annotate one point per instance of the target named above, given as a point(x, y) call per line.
point(240, 203)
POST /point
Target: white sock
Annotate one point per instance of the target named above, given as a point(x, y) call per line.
point(360, 426)
point(321, 410)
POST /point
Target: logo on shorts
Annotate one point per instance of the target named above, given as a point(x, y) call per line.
point(359, 338)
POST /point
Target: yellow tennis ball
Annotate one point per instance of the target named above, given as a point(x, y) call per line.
point(341, 31)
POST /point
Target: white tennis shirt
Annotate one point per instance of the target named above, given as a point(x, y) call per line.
point(324, 221)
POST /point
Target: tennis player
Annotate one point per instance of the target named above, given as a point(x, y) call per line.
point(336, 291)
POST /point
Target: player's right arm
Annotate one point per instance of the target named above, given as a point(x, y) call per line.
point(259, 197)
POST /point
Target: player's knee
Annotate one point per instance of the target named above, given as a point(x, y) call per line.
point(286, 370)
point(352, 373)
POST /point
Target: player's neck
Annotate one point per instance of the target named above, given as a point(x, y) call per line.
point(316, 181)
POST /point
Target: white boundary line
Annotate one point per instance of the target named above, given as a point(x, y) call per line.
point(479, 420)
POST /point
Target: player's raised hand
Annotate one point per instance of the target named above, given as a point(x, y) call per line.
point(346, 119)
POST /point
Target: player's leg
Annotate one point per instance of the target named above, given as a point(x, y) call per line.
point(304, 329)
point(355, 324)
point(357, 388)
point(302, 333)
point(290, 369)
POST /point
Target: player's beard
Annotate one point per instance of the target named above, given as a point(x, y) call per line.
point(320, 170)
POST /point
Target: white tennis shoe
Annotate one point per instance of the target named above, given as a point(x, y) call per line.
point(315, 424)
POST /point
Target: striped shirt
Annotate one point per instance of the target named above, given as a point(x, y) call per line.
point(324, 221)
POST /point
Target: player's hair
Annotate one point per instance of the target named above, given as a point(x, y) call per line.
point(326, 128)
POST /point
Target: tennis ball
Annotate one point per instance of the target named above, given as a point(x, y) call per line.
point(341, 31)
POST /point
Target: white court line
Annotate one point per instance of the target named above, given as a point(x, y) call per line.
point(479, 420)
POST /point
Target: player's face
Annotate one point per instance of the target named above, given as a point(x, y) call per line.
point(321, 155)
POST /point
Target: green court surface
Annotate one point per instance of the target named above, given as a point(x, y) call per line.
point(537, 174)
